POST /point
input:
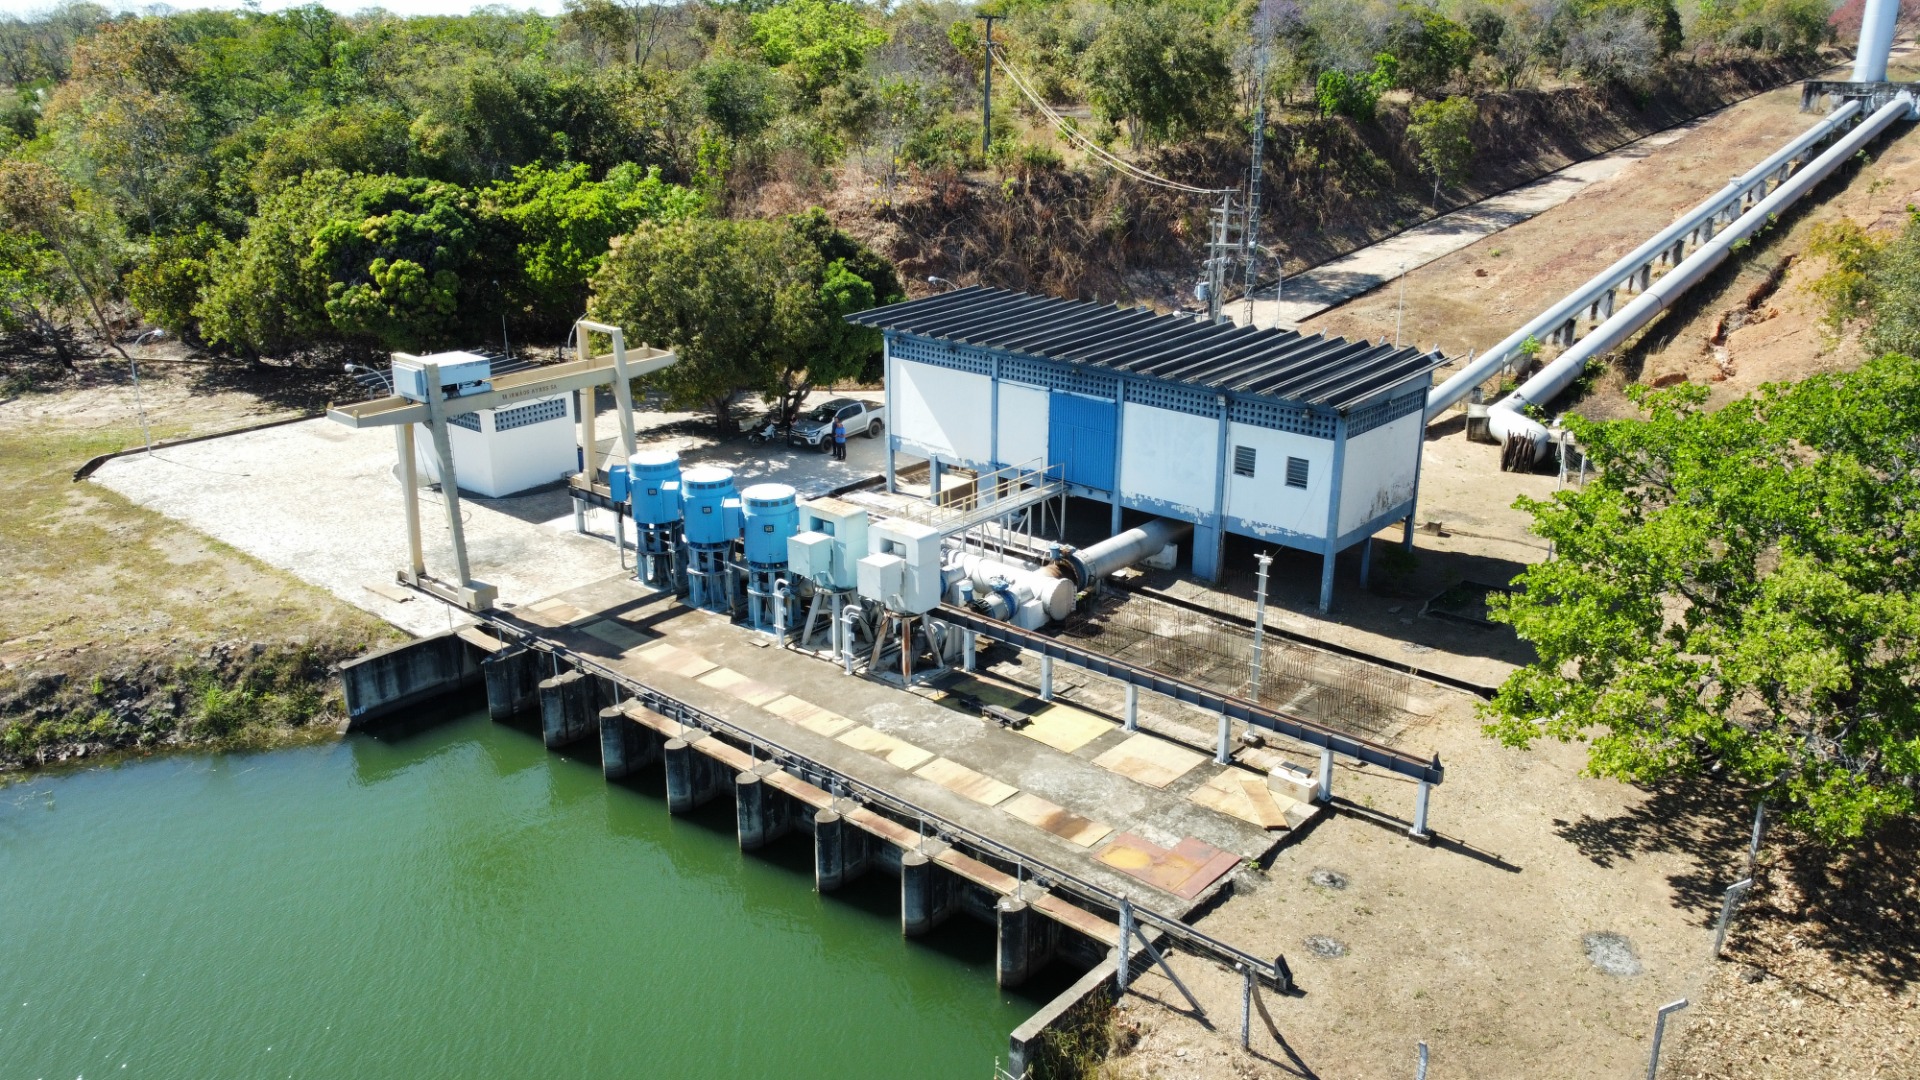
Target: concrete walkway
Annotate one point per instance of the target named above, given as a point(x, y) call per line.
point(1334, 283)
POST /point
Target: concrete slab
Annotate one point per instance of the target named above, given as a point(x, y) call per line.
point(320, 501)
point(983, 775)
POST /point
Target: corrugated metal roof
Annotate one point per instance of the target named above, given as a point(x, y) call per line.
point(1285, 364)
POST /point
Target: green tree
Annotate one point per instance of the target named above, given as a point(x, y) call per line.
point(35, 295)
point(167, 284)
point(817, 42)
point(264, 293)
point(58, 232)
point(853, 277)
point(1356, 96)
point(1160, 68)
point(1431, 48)
point(1442, 132)
point(1736, 598)
point(736, 96)
point(737, 300)
point(561, 225)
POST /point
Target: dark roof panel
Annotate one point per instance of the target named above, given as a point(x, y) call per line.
point(1311, 368)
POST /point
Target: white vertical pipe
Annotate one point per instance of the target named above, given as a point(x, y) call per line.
point(1876, 40)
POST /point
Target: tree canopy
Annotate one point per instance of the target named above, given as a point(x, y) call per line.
point(1736, 598)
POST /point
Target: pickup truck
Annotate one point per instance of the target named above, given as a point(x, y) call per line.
point(815, 426)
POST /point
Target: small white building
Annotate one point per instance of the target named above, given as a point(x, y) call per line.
point(507, 450)
point(1304, 441)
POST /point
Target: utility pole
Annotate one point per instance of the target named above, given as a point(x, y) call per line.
point(1221, 249)
point(986, 99)
point(1252, 233)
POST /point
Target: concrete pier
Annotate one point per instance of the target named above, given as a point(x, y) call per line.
point(690, 776)
point(1026, 941)
point(625, 747)
point(928, 894)
point(839, 851)
point(567, 712)
point(513, 681)
point(764, 814)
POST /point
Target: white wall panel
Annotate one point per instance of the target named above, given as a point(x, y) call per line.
point(1378, 471)
point(943, 411)
point(1171, 457)
point(1023, 425)
point(1265, 499)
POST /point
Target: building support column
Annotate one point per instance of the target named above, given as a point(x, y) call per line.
point(1133, 708)
point(1046, 678)
point(1323, 784)
point(1366, 559)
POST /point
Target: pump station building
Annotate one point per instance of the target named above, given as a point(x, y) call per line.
point(1300, 440)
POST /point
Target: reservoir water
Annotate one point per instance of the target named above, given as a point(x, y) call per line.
point(454, 902)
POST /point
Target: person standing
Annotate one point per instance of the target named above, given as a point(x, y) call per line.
point(839, 440)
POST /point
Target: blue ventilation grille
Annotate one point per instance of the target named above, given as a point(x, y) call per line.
point(1173, 398)
point(1073, 380)
point(921, 351)
point(1383, 412)
point(537, 412)
point(1269, 414)
point(470, 421)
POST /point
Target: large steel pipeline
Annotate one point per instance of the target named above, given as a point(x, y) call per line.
point(1117, 552)
point(1442, 397)
point(1876, 40)
point(1505, 419)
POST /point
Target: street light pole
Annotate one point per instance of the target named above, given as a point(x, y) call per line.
point(133, 366)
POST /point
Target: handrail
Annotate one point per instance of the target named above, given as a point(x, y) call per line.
point(1274, 972)
point(1247, 712)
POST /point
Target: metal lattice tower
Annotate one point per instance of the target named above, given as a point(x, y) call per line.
point(1251, 234)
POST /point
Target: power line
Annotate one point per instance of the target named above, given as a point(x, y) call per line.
point(1072, 132)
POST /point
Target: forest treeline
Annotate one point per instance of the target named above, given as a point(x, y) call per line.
point(284, 182)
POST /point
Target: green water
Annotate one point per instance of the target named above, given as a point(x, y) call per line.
point(456, 902)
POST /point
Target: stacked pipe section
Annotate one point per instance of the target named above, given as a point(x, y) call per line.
point(769, 517)
point(653, 499)
point(711, 511)
point(1527, 440)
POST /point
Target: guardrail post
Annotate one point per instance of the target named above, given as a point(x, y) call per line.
point(1734, 892)
point(1659, 1032)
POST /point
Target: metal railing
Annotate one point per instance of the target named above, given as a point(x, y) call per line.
point(1274, 972)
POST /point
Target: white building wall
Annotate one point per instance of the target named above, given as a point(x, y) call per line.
point(1265, 500)
point(495, 464)
point(941, 411)
point(1023, 425)
point(1170, 457)
point(1379, 470)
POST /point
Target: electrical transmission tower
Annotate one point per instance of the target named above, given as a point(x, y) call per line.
point(1251, 234)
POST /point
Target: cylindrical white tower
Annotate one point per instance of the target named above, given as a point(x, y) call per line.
point(1876, 40)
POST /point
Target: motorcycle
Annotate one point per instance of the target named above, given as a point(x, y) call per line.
point(768, 434)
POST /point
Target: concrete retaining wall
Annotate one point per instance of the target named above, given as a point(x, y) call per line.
point(1069, 1030)
point(385, 682)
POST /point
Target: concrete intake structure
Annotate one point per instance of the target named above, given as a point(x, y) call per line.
point(1527, 439)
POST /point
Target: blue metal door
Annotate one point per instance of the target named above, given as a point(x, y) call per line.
point(1080, 438)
